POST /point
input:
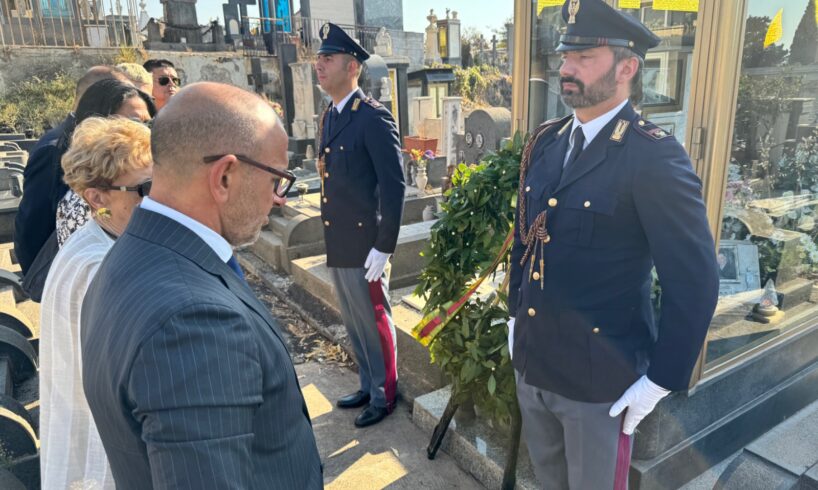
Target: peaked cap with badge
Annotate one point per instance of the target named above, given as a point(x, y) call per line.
point(336, 40)
point(594, 23)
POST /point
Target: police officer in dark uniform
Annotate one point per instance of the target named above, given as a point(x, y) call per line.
point(362, 189)
point(604, 197)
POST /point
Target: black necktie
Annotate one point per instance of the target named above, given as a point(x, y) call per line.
point(234, 264)
point(333, 118)
point(579, 142)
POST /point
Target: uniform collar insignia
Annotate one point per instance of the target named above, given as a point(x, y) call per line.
point(619, 130)
point(356, 104)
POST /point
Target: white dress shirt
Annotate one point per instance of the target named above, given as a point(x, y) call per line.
point(210, 237)
point(71, 452)
point(591, 128)
point(340, 106)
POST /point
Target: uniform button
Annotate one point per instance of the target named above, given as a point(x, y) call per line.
point(552, 202)
point(326, 175)
point(641, 123)
point(326, 223)
point(546, 239)
point(326, 150)
point(587, 204)
point(528, 188)
point(532, 312)
point(360, 225)
point(595, 330)
point(342, 148)
point(536, 276)
point(325, 200)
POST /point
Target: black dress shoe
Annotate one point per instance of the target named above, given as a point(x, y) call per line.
point(371, 416)
point(355, 400)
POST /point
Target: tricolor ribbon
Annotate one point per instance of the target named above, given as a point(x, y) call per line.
point(433, 323)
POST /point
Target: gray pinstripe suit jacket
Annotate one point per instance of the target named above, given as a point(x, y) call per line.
point(188, 380)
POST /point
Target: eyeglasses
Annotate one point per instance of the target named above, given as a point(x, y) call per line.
point(284, 178)
point(143, 189)
point(148, 123)
point(166, 80)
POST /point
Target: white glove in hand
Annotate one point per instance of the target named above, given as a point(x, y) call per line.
point(640, 400)
point(511, 337)
point(375, 264)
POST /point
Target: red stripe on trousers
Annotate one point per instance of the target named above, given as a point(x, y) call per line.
point(387, 343)
point(623, 461)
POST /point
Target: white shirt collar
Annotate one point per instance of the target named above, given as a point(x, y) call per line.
point(594, 126)
point(340, 106)
point(210, 237)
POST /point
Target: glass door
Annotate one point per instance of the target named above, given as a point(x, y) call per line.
point(768, 230)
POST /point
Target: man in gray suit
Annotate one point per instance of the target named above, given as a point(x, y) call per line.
point(187, 377)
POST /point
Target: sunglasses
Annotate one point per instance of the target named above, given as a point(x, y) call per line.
point(143, 189)
point(284, 178)
point(166, 80)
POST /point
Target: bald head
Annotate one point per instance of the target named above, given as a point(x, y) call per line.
point(206, 119)
point(95, 74)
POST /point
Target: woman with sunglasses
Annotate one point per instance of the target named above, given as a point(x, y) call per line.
point(104, 98)
point(109, 165)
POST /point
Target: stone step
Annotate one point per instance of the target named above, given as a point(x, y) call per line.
point(477, 447)
point(311, 272)
point(7, 259)
point(784, 457)
point(300, 232)
point(416, 374)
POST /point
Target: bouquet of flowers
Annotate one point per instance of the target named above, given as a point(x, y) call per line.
point(420, 158)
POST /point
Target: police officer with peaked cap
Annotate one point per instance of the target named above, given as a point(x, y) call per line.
point(362, 189)
point(604, 197)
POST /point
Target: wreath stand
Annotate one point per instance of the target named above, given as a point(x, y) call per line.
point(510, 470)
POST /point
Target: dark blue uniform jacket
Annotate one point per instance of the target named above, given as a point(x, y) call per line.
point(363, 189)
point(43, 187)
point(585, 327)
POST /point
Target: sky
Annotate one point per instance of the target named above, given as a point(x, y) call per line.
point(483, 15)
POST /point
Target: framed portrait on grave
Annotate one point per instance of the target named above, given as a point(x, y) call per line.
point(738, 267)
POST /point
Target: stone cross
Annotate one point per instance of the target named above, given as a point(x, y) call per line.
point(494, 50)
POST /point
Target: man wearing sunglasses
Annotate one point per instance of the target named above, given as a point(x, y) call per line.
point(165, 80)
point(184, 370)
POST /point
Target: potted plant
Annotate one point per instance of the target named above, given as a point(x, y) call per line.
point(419, 143)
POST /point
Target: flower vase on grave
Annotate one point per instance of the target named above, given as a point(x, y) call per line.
point(429, 212)
point(421, 179)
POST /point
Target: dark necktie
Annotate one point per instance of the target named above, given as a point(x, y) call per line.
point(576, 149)
point(234, 264)
point(333, 118)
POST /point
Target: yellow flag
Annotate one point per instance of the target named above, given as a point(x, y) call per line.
point(541, 4)
point(632, 4)
point(676, 5)
point(776, 29)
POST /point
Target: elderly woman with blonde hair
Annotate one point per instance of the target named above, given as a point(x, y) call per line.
point(109, 165)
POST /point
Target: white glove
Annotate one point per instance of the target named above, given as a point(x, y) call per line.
point(511, 337)
point(640, 400)
point(375, 264)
